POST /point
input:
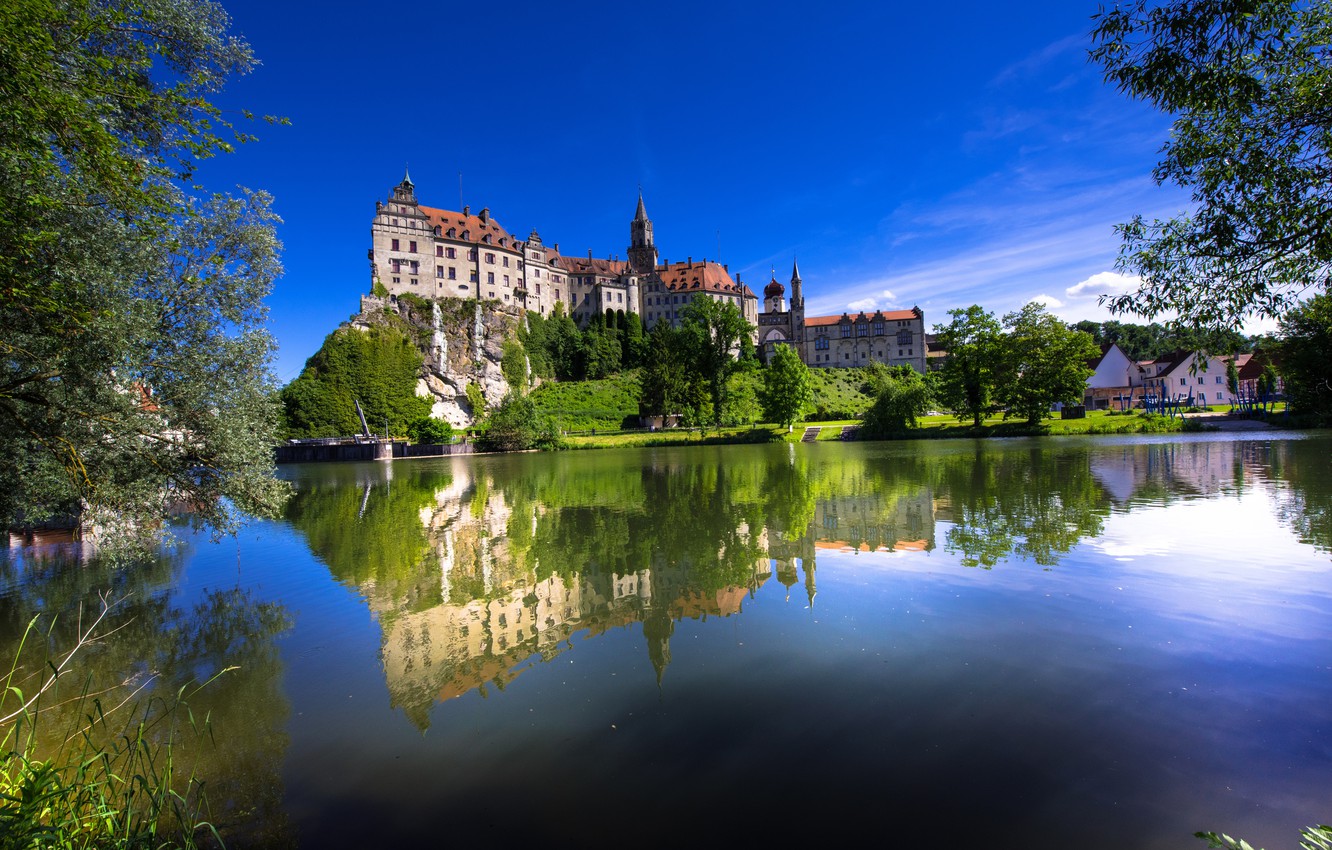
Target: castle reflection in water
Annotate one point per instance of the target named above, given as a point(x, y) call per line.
point(477, 569)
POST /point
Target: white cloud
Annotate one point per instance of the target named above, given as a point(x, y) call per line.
point(884, 299)
point(1049, 301)
point(1104, 283)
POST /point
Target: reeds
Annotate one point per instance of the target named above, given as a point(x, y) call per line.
point(85, 767)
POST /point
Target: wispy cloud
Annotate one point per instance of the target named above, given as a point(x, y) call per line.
point(1040, 59)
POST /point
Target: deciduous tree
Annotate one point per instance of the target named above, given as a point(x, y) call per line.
point(1247, 82)
point(787, 387)
point(1306, 357)
point(135, 369)
point(967, 379)
point(713, 331)
point(1041, 362)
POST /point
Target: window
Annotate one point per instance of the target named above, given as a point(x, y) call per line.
point(557, 292)
point(821, 344)
point(413, 281)
point(490, 258)
point(1182, 382)
point(451, 253)
point(506, 280)
point(1219, 379)
point(538, 290)
point(397, 280)
point(1201, 381)
point(439, 250)
point(453, 273)
point(506, 261)
point(395, 245)
point(536, 273)
point(904, 337)
point(439, 271)
point(862, 330)
point(1218, 396)
point(472, 276)
point(490, 277)
point(878, 328)
point(411, 246)
point(471, 254)
point(846, 331)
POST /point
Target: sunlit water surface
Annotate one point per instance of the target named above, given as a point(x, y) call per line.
point(1092, 643)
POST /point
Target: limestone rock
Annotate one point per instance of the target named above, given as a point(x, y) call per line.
point(461, 343)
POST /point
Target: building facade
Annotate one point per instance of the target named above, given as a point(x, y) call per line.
point(892, 337)
point(436, 253)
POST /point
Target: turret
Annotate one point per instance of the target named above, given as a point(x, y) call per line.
point(642, 251)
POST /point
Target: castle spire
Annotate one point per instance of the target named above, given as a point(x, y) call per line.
point(407, 176)
point(641, 213)
point(795, 270)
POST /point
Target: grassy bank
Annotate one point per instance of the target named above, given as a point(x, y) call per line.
point(941, 427)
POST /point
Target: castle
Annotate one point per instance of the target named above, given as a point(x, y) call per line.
point(436, 253)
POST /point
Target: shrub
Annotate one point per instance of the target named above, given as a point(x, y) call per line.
point(428, 429)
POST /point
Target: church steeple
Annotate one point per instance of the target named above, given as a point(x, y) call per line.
point(642, 253)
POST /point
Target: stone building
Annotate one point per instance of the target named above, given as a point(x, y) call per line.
point(893, 337)
point(437, 253)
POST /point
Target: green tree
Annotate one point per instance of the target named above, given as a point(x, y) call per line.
point(517, 425)
point(666, 384)
point(1247, 81)
point(135, 369)
point(787, 387)
point(1232, 376)
point(1041, 362)
point(1306, 357)
point(376, 367)
point(513, 364)
point(713, 331)
point(967, 380)
point(428, 429)
point(903, 398)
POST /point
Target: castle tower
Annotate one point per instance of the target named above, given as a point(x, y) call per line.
point(774, 297)
point(797, 299)
point(642, 252)
point(405, 192)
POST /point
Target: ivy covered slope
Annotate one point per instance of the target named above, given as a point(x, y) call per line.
point(405, 359)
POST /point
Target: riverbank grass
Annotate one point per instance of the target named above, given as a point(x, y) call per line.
point(80, 768)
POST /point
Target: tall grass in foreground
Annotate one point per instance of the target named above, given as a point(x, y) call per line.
point(77, 771)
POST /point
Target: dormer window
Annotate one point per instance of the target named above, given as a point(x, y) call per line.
point(453, 231)
point(467, 234)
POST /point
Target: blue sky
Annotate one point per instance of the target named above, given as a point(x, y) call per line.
point(931, 154)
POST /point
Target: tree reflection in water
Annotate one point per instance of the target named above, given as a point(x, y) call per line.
point(158, 646)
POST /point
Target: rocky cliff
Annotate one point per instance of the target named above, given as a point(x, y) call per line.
point(461, 343)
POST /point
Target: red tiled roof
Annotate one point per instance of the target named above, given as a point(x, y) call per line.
point(704, 276)
point(584, 265)
point(471, 224)
point(879, 315)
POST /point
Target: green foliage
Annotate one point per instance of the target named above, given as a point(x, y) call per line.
point(1312, 838)
point(517, 425)
point(1041, 362)
point(668, 383)
point(601, 351)
point(89, 760)
point(787, 387)
point(904, 398)
point(430, 430)
point(1150, 341)
point(967, 381)
point(476, 400)
point(378, 289)
point(115, 280)
point(1248, 85)
point(603, 405)
point(1306, 357)
point(513, 364)
point(377, 367)
point(1232, 376)
point(712, 331)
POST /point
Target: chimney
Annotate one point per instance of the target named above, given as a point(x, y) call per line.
point(467, 211)
point(691, 262)
point(485, 215)
point(589, 254)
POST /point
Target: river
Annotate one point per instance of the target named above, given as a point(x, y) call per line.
point(1082, 642)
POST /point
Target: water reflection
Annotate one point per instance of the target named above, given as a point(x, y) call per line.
point(477, 569)
point(154, 644)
